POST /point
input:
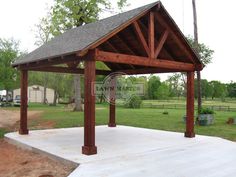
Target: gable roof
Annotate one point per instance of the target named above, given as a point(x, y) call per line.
point(78, 39)
point(88, 36)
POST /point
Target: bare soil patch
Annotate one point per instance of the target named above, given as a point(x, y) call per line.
point(8, 118)
point(16, 162)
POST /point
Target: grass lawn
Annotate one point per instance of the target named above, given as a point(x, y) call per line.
point(145, 117)
point(2, 132)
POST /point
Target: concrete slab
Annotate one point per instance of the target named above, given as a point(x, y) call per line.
point(134, 152)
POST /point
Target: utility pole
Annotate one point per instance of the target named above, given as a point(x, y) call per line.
point(199, 88)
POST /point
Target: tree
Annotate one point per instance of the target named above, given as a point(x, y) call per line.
point(231, 88)
point(176, 85)
point(154, 83)
point(43, 35)
point(219, 90)
point(67, 14)
point(205, 58)
point(163, 91)
point(205, 54)
point(9, 77)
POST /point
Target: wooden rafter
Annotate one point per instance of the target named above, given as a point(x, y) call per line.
point(72, 64)
point(141, 37)
point(124, 43)
point(50, 62)
point(148, 71)
point(151, 35)
point(117, 51)
point(142, 61)
point(177, 40)
point(93, 46)
point(57, 69)
point(160, 43)
point(156, 42)
point(127, 47)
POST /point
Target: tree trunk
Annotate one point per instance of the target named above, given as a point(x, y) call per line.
point(7, 92)
point(55, 98)
point(44, 94)
point(45, 101)
point(78, 103)
point(196, 48)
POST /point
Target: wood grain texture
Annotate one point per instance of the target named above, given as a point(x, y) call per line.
point(89, 147)
point(24, 102)
point(190, 106)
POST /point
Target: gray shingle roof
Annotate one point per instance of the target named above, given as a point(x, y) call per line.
point(81, 37)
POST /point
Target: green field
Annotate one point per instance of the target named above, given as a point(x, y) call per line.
point(2, 132)
point(144, 117)
point(216, 104)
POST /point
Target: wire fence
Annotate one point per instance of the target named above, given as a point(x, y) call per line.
point(183, 106)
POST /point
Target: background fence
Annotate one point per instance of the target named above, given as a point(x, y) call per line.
point(183, 106)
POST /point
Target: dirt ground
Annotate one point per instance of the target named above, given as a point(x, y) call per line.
point(15, 162)
point(9, 118)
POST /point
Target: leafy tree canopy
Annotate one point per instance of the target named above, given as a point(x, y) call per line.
point(205, 53)
point(9, 51)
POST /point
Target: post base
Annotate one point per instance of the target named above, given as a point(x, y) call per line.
point(23, 132)
point(89, 150)
point(189, 134)
point(111, 124)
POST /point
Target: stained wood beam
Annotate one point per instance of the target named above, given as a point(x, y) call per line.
point(173, 34)
point(24, 102)
point(141, 37)
point(147, 71)
point(156, 42)
point(142, 61)
point(72, 64)
point(112, 102)
point(51, 61)
point(151, 35)
point(120, 28)
point(89, 147)
point(122, 41)
point(190, 106)
point(57, 69)
point(160, 43)
point(115, 50)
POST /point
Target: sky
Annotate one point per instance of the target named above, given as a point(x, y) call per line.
point(216, 28)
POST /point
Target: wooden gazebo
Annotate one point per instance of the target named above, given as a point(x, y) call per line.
point(141, 41)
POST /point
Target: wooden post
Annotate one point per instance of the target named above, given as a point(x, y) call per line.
point(89, 147)
point(190, 106)
point(24, 103)
point(112, 115)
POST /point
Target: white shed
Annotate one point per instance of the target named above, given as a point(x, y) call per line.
point(35, 94)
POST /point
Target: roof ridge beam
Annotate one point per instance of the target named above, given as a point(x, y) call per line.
point(151, 35)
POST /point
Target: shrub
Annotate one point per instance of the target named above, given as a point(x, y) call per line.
point(165, 113)
point(134, 102)
point(206, 111)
